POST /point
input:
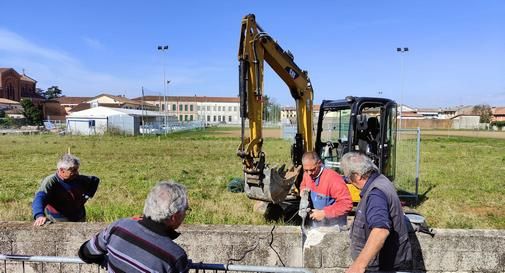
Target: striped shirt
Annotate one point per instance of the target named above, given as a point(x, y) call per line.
point(136, 246)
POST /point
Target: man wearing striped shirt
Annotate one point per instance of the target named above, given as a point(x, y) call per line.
point(144, 245)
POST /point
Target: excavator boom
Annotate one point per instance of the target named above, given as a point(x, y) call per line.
point(271, 184)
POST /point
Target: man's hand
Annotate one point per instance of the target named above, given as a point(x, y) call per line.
point(373, 245)
point(355, 268)
point(40, 221)
point(317, 214)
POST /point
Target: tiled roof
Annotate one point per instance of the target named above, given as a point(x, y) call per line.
point(71, 100)
point(7, 101)
point(499, 111)
point(26, 78)
point(120, 99)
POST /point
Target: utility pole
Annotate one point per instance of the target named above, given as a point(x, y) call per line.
point(402, 51)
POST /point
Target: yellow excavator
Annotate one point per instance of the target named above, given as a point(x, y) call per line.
point(351, 124)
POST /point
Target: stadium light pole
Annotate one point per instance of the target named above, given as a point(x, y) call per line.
point(164, 48)
point(402, 52)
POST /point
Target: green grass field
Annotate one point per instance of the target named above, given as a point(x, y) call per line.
point(464, 177)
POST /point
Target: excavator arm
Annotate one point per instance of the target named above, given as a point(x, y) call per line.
point(263, 182)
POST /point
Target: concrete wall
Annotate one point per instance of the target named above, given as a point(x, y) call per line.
point(427, 123)
point(448, 251)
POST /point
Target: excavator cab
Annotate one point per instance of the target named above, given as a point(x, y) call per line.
point(361, 124)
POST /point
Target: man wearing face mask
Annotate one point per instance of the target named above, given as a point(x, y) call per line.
point(329, 195)
point(62, 195)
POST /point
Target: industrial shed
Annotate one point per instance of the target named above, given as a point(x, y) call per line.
point(98, 120)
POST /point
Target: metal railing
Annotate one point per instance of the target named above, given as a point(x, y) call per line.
point(25, 264)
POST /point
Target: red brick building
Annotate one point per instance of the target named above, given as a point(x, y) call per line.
point(15, 86)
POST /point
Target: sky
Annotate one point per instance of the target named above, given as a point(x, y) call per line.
point(456, 47)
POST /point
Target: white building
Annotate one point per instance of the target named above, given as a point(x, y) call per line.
point(98, 120)
point(210, 110)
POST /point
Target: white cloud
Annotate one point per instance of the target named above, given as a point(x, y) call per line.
point(52, 67)
point(93, 43)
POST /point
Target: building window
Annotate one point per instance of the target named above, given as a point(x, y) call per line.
point(208, 108)
point(185, 117)
point(199, 108)
point(219, 118)
point(180, 107)
point(174, 107)
point(191, 108)
point(229, 118)
point(208, 118)
point(229, 108)
point(163, 107)
point(235, 108)
point(191, 117)
point(214, 118)
point(180, 117)
point(185, 107)
point(215, 108)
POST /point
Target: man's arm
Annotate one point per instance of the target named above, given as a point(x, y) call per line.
point(38, 205)
point(95, 249)
point(92, 185)
point(88, 257)
point(40, 201)
point(372, 247)
point(342, 196)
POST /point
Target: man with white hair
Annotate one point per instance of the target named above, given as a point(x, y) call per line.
point(144, 245)
point(62, 195)
point(379, 233)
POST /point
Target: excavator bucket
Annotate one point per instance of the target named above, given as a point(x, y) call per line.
point(273, 185)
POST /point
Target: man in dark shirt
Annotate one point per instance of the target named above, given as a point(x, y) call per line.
point(62, 195)
point(145, 245)
point(379, 234)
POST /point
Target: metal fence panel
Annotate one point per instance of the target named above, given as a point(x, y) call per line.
point(40, 264)
point(408, 145)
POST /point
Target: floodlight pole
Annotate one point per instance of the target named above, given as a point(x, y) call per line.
point(402, 51)
point(163, 48)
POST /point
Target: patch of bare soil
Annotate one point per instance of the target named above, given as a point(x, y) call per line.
point(466, 133)
point(274, 133)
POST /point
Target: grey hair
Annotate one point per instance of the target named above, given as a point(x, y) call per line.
point(68, 161)
point(357, 163)
point(310, 156)
point(164, 200)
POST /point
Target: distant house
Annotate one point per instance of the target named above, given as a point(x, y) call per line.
point(498, 113)
point(11, 108)
point(288, 113)
point(112, 101)
point(465, 118)
point(70, 102)
point(429, 113)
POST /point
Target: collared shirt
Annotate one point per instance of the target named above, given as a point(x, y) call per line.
point(328, 192)
point(377, 211)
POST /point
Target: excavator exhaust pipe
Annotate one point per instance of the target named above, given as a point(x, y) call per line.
point(273, 185)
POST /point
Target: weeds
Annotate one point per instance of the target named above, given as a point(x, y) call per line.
point(463, 177)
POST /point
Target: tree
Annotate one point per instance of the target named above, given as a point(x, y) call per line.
point(2, 113)
point(484, 111)
point(32, 113)
point(271, 110)
point(53, 92)
point(40, 92)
